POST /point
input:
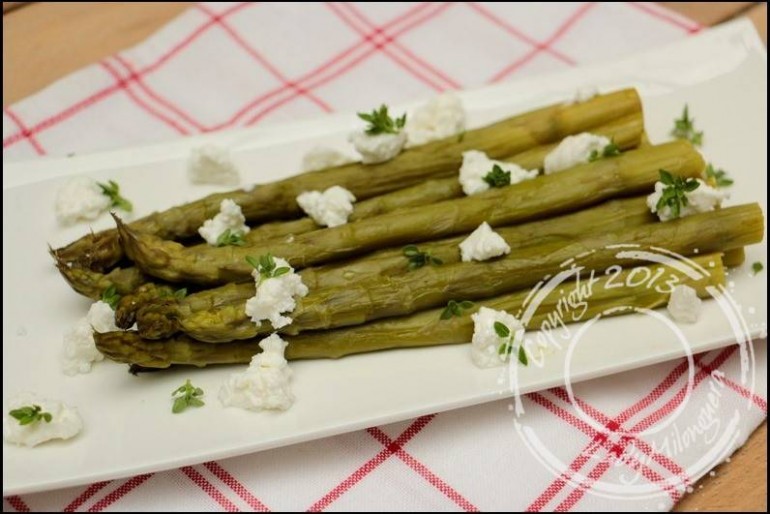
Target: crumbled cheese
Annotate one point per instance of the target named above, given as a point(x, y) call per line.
point(476, 165)
point(275, 296)
point(79, 349)
point(80, 199)
point(483, 244)
point(583, 94)
point(377, 148)
point(211, 164)
point(265, 384)
point(230, 218)
point(486, 344)
point(442, 116)
point(703, 199)
point(320, 158)
point(684, 305)
point(65, 422)
point(573, 150)
point(331, 208)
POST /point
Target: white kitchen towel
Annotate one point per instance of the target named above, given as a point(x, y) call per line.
point(631, 442)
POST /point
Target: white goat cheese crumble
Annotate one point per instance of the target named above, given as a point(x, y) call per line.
point(476, 165)
point(79, 349)
point(483, 244)
point(265, 383)
point(573, 150)
point(488, 349)
point(80, 199)
point(684, 305)
point(321, 157)
point(275, 296)
point(442, 116)
point(331, 208)
point(230, 218)
point(211, 164)
point(703, 199)
point(65, 421)
point(583, 94)
point(377, 148)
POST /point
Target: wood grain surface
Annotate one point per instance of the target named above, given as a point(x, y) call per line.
point(45, 41)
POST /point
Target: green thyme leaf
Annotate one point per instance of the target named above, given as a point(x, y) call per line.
point(684, 128)
point(30, 415)
point(674, 195)
point(719, 177)
point(523, 356)
point(454, 308)
point(266, 266)
point(610, 150)
point(380, 122)
point(501, 330)
point(110, 296)
point(757, 267)
point(185, 396)
point(179, 294)
point(231, 238)
point(417, 259)
point(112, 191)
point(497, 177)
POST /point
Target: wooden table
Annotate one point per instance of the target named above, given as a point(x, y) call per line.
point(53, 39)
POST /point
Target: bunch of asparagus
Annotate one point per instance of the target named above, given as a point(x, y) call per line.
point(364, 295)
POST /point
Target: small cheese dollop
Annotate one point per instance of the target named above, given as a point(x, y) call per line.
point(483, 244)
point(230, 218)
point(79, 349)
point(703, 199)
point(80, 199)
point(331, 208)
point(573, 150)
point(583, 94)
point(321, 157)
point(65, 421)
point(443, 116)
point(488, 349)
point(211, 164)
point(265, 384)
point(275, 296)
point(684, 305)
point(379, 147)
point(476, 165)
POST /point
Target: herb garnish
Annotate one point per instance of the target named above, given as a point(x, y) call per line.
point(186, 396)
point(718, 176)
point(684, 128)
point(266, 266)
point(111, 297)
point(231, 238)
point(610, 150)
point(418, 259)
point(497, 177)
point(506, 347)
point(675, 193)
point(30, 414)
point(112, 191)
point(757, 267)
point(179, 294)
point(454, 308)
point(380, 121)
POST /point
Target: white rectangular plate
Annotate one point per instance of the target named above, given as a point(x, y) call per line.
point(129, 428)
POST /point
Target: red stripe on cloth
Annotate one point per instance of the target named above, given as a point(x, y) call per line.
point(507, 27)
point(17, 503)
point(209, 488)
point(262, 60)
point(86, 495)
point(136, 78)
point(24, 132)
point(128, 486)
point(422, 470)
point(416, 21)
point(655, 12)
point(371, 464)
point(547, 44)
point(755, 398)
point(237, 487)
point(381, 33)
point(109, 90)
point(125, 85)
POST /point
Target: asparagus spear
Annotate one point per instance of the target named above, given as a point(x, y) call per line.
point(92, 284)
point(430, 286)
point(421, 329)
point(434, 160)
point(588, 184)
